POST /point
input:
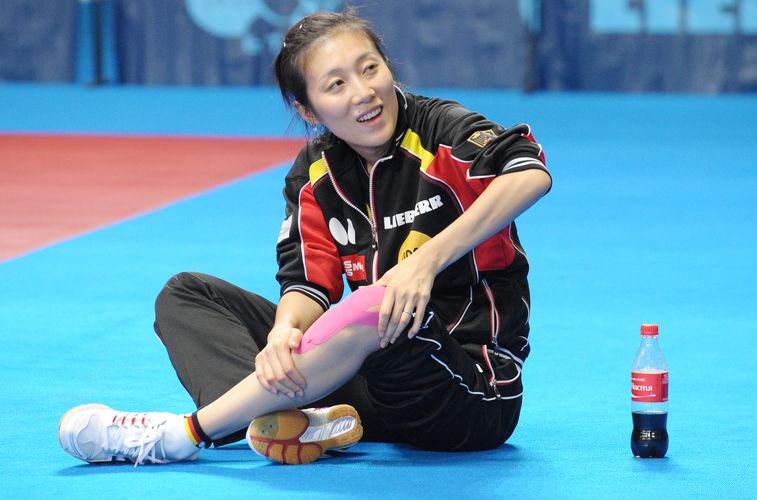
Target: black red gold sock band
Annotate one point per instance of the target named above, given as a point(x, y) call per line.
point(196, 434)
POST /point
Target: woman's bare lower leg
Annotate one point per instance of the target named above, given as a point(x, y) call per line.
point(325, 368)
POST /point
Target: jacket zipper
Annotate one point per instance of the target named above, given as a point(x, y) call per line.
point(493, 314)
point(374, 225)
point(371, 220)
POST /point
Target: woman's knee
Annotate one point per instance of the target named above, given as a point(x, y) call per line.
point(179, 287)
point(356, 317)
point(178, 290)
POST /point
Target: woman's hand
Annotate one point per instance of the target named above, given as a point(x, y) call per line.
point(408, 284)
point(274, 366)
point(408, 290)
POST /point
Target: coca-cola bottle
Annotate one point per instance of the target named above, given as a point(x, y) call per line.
point(649, 397)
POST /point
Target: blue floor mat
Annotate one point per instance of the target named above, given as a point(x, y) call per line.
point(651, 219)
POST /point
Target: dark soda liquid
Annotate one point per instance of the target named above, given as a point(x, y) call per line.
point(650, 436)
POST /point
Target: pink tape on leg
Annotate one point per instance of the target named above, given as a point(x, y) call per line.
point(352, 311)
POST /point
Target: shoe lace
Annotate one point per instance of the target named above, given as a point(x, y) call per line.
point(136, 437)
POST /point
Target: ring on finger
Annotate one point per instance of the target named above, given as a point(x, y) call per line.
point(408, 313)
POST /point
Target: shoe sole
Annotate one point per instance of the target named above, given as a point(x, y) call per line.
point(287, 437)
point(64, 438)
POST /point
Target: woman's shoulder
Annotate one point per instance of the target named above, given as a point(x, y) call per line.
point(302, 162)
point(422, 101)
point(423, 108)
point(311, 153)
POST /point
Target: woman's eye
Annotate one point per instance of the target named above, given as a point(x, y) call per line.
point(335, 85)
point(370, 68)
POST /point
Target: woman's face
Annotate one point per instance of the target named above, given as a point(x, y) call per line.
point(351, 92)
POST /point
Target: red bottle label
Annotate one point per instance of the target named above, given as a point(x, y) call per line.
point(649, 387)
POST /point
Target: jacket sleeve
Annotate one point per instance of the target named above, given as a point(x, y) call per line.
point(307, 256)
point(490, 148)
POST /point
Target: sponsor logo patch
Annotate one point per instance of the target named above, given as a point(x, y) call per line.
point(354, 267)
point(422, 207)
point(482, 137)
point(412, 243)
point(342, 235)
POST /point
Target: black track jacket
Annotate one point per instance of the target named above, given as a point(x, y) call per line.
point(338, 221)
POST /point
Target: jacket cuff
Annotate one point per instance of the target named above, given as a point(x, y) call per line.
point(314, 292)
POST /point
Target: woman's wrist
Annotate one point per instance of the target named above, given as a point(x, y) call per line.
point(434, 255)
point(296, 311)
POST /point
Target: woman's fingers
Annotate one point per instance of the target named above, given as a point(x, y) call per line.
point(276, 371)
point(385, 313)
point(399, 317)
point(290, 376)
point(420, 312)
point(286, 374)
point(404, 314)
point(283, 382)
point(295, 338)
point(405, 320)
point(263, 374)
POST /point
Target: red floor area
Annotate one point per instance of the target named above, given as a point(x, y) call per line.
point(54, 187)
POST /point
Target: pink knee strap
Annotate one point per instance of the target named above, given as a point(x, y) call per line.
point(352, 311)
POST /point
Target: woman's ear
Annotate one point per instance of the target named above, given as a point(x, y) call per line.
point(306, 114)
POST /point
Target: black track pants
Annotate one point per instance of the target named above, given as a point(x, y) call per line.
point(428, 391)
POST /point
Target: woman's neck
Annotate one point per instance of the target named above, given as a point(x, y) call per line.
point(370, 158)
point(366, 165)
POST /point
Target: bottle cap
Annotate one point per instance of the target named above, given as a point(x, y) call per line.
point(649, 330)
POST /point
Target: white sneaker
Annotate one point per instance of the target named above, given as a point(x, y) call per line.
point(97, 433)
point(302, 436)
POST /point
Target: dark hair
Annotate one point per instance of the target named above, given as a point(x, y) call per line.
point(289, 66)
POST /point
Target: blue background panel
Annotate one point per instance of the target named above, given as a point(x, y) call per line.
point(595, 45)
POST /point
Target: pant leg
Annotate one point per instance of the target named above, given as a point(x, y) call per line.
point(436, 394)
point(212, 331)
point(355, 393)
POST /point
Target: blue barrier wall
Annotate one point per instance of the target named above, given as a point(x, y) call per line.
point(623, 45)
point(37, 40)
point(657, 45)
point(235, 42)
